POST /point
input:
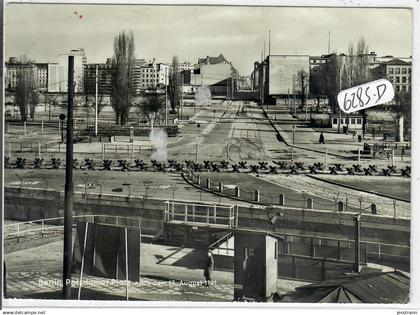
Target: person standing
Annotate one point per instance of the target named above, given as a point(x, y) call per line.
point(321, 138)
point(208, 270)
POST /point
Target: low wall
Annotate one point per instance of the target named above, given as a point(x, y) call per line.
point(32, 204)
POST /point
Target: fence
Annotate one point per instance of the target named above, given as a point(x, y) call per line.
point(317, 253)
point(56, 225)
point(124, 148)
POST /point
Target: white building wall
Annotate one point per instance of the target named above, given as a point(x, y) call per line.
point(53, 77)
point(283, 70)
point(63, 72)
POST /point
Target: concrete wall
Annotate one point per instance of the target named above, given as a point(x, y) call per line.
point(374, 228)
point(32, 204)
point(283, 72)
point(211, 74)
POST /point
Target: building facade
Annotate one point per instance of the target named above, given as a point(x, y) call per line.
point(396, 71)
point(104, 78)
point(277, 77)
point(38, 72)
point(215, 72)
point(149, 75)
point(145, 76)
point(80, 62)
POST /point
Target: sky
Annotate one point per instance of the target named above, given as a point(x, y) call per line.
point(43, 31)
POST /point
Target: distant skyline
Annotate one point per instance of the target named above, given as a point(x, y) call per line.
point(43, 31)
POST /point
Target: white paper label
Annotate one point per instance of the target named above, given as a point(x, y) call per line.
point(366, 95)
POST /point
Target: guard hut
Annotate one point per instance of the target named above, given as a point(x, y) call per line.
point(350, 122)
point(255, 266)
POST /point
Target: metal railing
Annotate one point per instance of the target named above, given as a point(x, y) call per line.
point(55, 225)
point(201, 213)
point(370, 250)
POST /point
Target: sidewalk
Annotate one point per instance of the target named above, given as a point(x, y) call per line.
point(308, 138)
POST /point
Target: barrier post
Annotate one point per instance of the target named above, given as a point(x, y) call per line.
point(373, 208)
point(310, 203)
point(257, 196)
point(281, 200)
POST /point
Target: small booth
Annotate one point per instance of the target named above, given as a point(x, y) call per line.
point(255, 266)
point(347, 122)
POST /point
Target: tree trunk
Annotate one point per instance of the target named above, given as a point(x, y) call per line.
point(364, 122)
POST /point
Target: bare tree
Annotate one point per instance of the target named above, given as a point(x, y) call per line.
point(302, 82)
point(356, 71)
point(174, 85)
point(26, 90)
point(151, 105)
point(87, 105)
point(121, 77)
point(51, 99)
point(332, 80)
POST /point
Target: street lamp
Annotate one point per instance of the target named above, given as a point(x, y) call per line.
point(197, 144)
point(128, 186)
point(62, 117)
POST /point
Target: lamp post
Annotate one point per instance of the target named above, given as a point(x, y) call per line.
point(96, 101)
point(166, 97)
point(197, 144)
point(62, 117)
point(69, 188)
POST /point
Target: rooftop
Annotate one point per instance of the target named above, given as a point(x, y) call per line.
point(212, 60)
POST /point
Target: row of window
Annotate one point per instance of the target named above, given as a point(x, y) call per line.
point(357, 121)
point(403, 70)
point(398, 79)
point(401, 88)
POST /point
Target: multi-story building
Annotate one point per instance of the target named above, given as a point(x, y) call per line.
point(145, 75)
point(316, 61)
point(396, 71)
point(104, 78)
point(185, 66)
point(277, 77)
point(53, 84)
point(42, 76)
point(79, 66)
point(37, 71)
point(215, 72)
point(150, 75)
